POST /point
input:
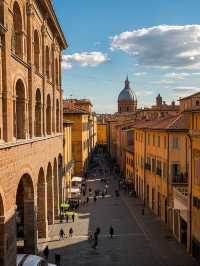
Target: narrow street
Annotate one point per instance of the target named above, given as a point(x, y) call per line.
point(138, 240)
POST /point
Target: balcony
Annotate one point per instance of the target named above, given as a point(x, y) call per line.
point(180, 196)
point(147, 166)
point(158, 172)
point(181, 179)
point(194, 132)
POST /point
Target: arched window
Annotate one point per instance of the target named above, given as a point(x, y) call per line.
point(56, 72)
point(38, 114)
point(57, 116)
point(48, 115)
point(17, 31)
point(20, 111)
point(36, 51)
point(47, 63)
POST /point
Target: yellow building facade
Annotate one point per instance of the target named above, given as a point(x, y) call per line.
point(102, 133)
point(68, 161)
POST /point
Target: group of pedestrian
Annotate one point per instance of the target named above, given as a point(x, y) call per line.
point(95, 237)
point(62, 233)
point(67, 217)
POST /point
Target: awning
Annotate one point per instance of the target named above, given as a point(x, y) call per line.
point(77, 179)
point(74, 190)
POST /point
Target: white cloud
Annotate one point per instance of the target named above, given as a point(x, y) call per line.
point(177, 76)
point(182, 91)
point(162, 46)
point(140, 73)
point(84, 59)
point(144, 93)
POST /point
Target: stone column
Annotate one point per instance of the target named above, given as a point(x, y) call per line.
point(8, 240)
point(50, 200)
point(30, 233)
point(42, 222)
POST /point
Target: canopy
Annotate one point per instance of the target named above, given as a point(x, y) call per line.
point(77, 179)
point(74, 190)
point(64, 205)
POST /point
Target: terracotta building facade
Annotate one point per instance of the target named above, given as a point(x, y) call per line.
point(31, 127)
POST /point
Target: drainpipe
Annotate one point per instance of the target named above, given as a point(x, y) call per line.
point(189, 231)
point(168, 172)
point(144, 168)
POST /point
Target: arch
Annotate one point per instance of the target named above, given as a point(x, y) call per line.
point(56, 72)
point(60, 177)
point(19, 110)
point(41, 205)
point(17, 38)
point(47, 63)
point(48, 115)
point(25, 214)
point(56, 188)
point(36, 51)
point(38, 114)
point(50, 201)
point(57, 116)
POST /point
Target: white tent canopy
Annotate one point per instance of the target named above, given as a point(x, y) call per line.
point(74, 190)
point(77, 179)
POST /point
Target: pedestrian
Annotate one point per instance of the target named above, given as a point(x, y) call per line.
point(103, 194)
point(87, 199)
point(95, 241)
point(95, 198)
point(46, 252)
point(67, 217)
point(111, 232)
point(98, 230)
point(62, 234)
point(73, 217)
point(70, 232)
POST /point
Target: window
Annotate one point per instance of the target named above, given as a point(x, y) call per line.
point(197, 171)
point(197, 102)
point(153, 140)
point(17, 38)
point(153, 165)
point(158, 141)
point(165, 142)
point(175, 142)
point(47, 63)
point(48, 115)
point(175, 170)
point(36, 51)
point(149, 139)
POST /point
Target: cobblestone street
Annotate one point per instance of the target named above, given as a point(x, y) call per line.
point(138, 241)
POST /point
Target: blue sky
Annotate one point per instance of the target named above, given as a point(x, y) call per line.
point(157, 43)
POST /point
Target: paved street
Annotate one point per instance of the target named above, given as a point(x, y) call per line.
point(138, 241)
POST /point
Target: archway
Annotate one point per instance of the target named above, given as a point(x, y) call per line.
point(38, 114)
point(36, 51)
point(50, 195)
point(56, 189)
point(17, 31)
point(57, 116)
point(42, 224)
point(60, 178)
point(20, 111)
point(25, 216)
point(48, 115)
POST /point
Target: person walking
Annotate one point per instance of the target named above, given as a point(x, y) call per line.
point(73, 217)
point(87, 199)
point(94, 246)
point(46, 252)
point(71, 232)
point(98, 230)
point(111, 231)
point(62, 234)
point(67, 217)
point(95, 198)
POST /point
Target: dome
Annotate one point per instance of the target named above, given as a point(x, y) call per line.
point(127, 93)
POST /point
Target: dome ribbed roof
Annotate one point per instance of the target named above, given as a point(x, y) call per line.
point(127, 93)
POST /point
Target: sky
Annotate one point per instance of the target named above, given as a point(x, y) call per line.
point(155, 42)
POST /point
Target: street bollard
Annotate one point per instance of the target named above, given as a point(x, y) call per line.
point(57, 259)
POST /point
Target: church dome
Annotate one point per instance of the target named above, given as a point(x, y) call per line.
point(127, 93)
